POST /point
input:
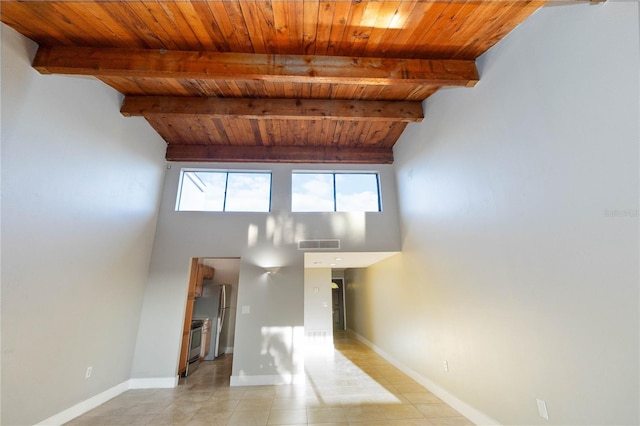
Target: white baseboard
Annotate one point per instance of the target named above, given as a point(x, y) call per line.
point(228, 350)
point(284, 379)
point(476, 416)
point(153, 383)
point(84, 406)
point(91, 403)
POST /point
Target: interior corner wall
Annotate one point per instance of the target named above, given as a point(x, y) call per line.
point(519, 215)
point(80, 192)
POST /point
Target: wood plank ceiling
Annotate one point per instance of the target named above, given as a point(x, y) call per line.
point(308, 81)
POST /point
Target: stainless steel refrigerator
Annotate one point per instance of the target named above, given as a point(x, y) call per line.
point(214, 304)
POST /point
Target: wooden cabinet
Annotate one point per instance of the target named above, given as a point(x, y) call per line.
point(188, 315)
point(208, 272)
point(206, 338)
point(184, 351)
point(198, 273)
point(204, 273)
point(197, 290)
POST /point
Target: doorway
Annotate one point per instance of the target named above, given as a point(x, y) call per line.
point(211, 303)
point(337, 306)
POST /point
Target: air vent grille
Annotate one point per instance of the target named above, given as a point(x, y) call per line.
point(318, 244)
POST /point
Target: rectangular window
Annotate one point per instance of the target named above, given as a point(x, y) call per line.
point(335, 192)
point(223, 191)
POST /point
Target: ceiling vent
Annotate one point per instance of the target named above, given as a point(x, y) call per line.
point(318, 244)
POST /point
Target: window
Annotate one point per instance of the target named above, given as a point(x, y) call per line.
point(221, 191)
point(335, 192)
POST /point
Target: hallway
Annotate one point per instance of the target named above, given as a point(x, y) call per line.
point(351, 386)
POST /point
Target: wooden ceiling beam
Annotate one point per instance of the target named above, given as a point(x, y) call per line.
point(160, 63)
point(278, 154)
point(276, 109)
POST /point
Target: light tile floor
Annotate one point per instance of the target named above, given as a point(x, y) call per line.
point(351, 386)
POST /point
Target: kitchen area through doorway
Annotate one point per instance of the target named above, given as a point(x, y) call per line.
point(210, 312)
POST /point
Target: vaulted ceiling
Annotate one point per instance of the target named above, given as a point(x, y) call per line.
point(308, 81)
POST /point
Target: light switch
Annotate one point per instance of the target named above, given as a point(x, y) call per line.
point(316, 290)
point(246, 309)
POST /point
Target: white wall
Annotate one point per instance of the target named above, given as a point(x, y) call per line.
point(318, 320)
point(261, 240)
point(519, 210)
point(80, 192)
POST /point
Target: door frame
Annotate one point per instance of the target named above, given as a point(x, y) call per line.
point(340, 282)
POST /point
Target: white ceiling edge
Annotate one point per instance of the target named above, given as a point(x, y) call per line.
point(344, 260)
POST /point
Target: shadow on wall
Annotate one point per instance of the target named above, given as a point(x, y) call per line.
point(281, 349)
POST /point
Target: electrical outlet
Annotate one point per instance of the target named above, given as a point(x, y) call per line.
point(542, 409)
point(88, 373)
point(446, 366)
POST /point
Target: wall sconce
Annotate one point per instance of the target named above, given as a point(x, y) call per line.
point(272, 270)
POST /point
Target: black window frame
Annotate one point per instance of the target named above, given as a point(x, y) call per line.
point(184, 172)
point(335, 202)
